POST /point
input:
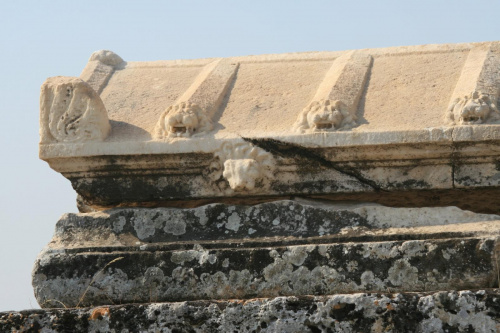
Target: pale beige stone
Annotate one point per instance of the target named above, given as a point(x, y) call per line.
point(244, 166)
point(393, 119)
point(71, 111)
point(336, 101)
point(406, 88)
point(475, 95)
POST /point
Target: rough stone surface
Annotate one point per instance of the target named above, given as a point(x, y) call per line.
point(282, 248)
point(152, 274)
point(286, 219)
point(445, 311)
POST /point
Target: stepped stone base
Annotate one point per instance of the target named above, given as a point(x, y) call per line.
point(283, 248)
point(446, 311)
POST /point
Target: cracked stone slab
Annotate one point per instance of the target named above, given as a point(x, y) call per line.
point(444, 311)
point(176, 129)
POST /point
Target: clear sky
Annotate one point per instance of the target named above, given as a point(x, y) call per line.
point(39, 39)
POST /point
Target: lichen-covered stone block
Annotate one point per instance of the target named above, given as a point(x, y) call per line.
point(273, 249)
point(445, 311)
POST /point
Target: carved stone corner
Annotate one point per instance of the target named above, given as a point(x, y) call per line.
point(182, 120)
point(472, 109)
point(106, 57)
point(325, 115)
point(71, 111)
point(243, 166)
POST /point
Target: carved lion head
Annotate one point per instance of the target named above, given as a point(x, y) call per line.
point(324, 115)
point(473, 108)
point(182, 120)
point(243, 166)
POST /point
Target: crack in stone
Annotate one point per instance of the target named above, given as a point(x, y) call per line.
point(275, 147)
point(453, 159)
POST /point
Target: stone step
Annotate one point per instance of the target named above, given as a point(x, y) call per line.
point(281, 248)
point(443, 311)
point(93, 278)
point(292, 221)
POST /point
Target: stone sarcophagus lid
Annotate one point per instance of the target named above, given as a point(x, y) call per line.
point(396, 126)
point(308, 175)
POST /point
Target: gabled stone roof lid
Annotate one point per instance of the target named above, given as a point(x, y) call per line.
point(401, 88)
point(224, 115)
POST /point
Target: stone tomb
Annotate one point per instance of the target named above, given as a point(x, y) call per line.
point(353, 191)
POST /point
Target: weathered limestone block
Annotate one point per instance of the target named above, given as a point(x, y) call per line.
point(464, 311)
point(282, 248)
point(155, 274)
point(332, 123)
point(299, 219)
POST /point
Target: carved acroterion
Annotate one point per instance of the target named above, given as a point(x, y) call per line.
point(182, 120)
point(71, 111)
point(473, 108)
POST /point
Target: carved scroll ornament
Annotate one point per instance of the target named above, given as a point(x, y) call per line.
point(325, 115)
point(71, 111)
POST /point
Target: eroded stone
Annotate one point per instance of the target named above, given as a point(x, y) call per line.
point(283, 248)
point(71, 111)
point(452, 311)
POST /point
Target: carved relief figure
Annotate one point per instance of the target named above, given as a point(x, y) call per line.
point(474, 108)
point(182, 120)
point(325, 115)
point(243, 166)
point(71, 111)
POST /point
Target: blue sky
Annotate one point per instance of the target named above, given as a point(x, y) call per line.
point(39, 39)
